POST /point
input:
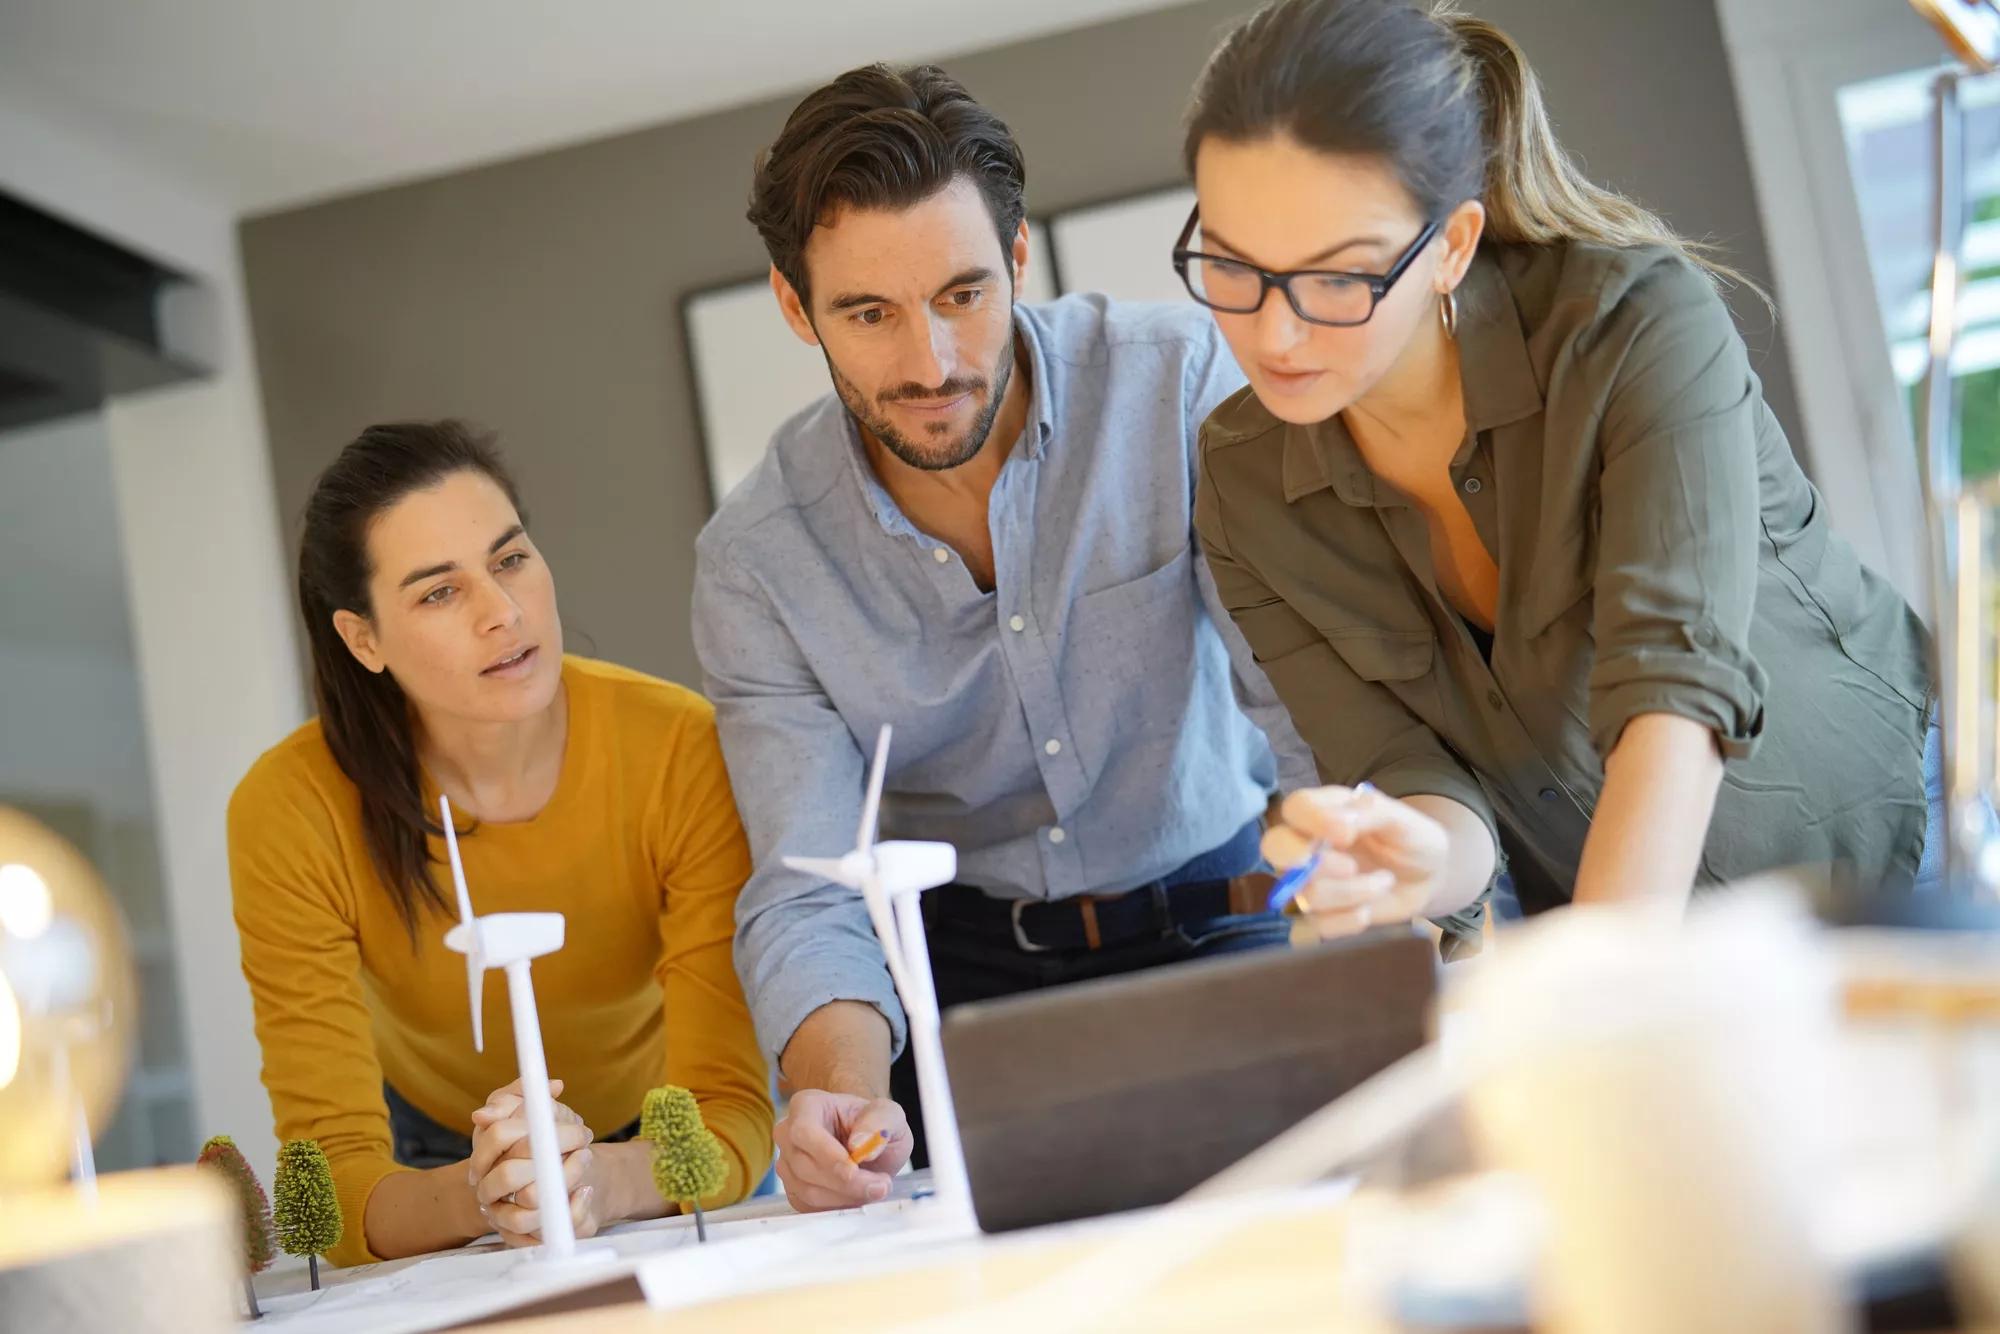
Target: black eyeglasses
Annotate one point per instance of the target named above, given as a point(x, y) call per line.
point(1317, 296)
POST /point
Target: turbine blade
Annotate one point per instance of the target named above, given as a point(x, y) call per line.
point(475, 957)
point(457, 866)
point(475, 984)
point(872, 807)
point(822, 868)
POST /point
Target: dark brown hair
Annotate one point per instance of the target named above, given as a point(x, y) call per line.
point(1446, 99)
point(881, 138)
point(364, 715)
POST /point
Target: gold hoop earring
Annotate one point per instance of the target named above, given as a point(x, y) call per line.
point(1448, 313)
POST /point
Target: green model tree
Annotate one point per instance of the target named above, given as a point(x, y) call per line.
point(221, 1155)
point(687, 1157)
point(307, 1214)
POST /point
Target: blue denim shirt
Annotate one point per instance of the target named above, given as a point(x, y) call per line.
point(1074, 731)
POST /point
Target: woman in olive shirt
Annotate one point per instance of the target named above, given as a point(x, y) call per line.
point(1504, 514)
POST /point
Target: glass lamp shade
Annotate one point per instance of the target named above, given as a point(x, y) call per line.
point(68, 1002)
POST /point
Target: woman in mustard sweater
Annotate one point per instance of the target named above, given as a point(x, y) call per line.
point(581, 787)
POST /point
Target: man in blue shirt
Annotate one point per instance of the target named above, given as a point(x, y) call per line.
point(984, 538)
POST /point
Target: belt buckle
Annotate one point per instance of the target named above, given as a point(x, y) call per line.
point(1021, 936)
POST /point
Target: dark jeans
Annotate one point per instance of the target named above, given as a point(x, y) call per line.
point(418, 1141)
point(971, 964)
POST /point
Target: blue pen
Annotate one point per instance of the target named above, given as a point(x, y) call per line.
point(1291, 882)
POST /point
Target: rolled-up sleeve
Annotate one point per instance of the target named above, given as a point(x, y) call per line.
point(1676, 579)
point(798, 776)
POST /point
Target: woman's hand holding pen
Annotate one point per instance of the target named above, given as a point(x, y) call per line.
point(1377, 859)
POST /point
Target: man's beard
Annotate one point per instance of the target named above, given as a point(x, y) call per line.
point(937, 454)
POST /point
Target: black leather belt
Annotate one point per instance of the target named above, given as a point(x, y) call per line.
point(1087, 922)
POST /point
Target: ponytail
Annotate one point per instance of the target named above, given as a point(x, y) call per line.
point(1533, 192)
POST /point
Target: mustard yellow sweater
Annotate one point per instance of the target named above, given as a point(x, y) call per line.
point(640, 848)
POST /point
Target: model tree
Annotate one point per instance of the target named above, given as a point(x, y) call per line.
point(221, 1156)
point(307, 1213)
point(687, 1157)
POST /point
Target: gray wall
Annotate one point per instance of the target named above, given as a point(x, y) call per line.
point(541, 296)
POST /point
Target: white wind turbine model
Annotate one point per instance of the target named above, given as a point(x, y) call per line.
point(891, 878)
point(508, 941)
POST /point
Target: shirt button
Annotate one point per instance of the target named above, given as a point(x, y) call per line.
point(1493, 698)
point(941, 555)
point(1548, 794)
point(1057, 835)
point(1053, 747)
point(1473, 486)
point(1016, 624)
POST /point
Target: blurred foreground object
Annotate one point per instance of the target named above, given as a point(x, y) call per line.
point(68, 1004)
point(1666, 1093)
point(151, 1253)
point(1923, 1015)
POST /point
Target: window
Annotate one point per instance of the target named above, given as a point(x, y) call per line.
point(1888, 129)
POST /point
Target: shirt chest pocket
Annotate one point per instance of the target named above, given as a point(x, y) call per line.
point(1122, 631)
point(1132, 664)
point(1400, 662)
point(1404, 663)
point(1387, 654)
point(1384, 656)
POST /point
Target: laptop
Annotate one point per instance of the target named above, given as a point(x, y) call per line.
point(1128, 1091)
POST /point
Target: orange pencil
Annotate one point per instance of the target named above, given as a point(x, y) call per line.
point(867, 1149)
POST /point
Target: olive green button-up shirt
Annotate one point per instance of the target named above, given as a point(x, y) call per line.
point(1659, 551)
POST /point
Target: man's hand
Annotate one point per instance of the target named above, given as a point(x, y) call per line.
point(816, 1136)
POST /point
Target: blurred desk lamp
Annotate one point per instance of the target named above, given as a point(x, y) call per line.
point(67, 1005)
point(148, 1251)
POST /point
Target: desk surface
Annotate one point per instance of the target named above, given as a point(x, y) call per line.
point(1264, 1274)
point(1298, 1266)
point(1277, 1275)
